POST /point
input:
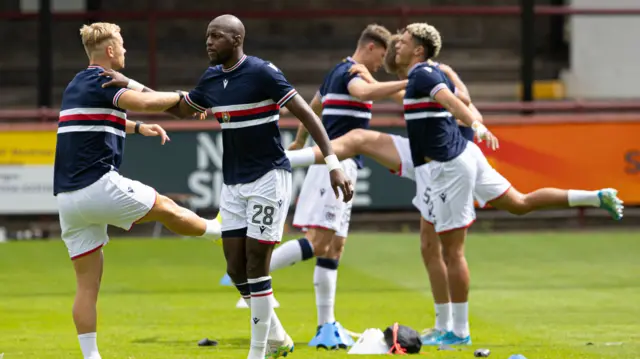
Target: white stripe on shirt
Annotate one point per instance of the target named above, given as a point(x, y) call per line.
point(70, 129)
point(342, 112)
point(246, 106)
point(425, 114)
point(250, 123)
point(93, 111)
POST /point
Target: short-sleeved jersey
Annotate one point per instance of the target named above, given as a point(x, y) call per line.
point(433, 132)
point(91, 132)
point(246, 99)
point(342, 112)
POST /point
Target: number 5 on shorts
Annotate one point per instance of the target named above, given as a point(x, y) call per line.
point(267, 218)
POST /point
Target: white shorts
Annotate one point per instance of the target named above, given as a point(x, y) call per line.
point(318, 206)
point(423, 199)
point(455, 183)
point(406, 161)
point(112, 200)
point(258, 209)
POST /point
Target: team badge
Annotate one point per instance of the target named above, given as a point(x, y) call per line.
point(226, 117)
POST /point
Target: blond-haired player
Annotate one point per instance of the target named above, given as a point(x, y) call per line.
point(90, 192)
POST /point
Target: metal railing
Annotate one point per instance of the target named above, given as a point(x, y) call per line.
point(153, 17)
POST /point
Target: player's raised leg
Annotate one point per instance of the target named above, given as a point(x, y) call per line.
point(376, 145)
point(180, 220)
point(373, 144)
point(493, 188)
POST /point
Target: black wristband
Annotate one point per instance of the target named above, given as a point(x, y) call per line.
point(137, 128)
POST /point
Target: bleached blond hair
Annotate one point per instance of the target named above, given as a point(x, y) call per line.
point(428, 36)
point(376, 33)
point(97, 34)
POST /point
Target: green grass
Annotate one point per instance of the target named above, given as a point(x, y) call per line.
point(541, 295)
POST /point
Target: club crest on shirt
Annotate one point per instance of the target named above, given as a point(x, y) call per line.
point(226, 117)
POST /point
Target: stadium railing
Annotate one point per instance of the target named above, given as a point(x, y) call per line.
point(402, 13)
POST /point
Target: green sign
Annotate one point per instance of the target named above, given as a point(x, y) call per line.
point(192, 164)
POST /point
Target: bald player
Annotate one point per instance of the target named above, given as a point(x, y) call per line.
point(245, 94)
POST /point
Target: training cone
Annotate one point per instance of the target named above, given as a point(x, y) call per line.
point(242, 304)
point(371, 342)
point(226, 281)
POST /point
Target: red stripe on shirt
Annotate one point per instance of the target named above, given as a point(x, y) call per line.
point(251, 111)
point(416, 106)
point(95, 117)
point(347, 103)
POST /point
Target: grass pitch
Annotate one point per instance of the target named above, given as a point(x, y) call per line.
point(540, 295)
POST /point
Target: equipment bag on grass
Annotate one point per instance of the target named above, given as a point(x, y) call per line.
point(402, 339)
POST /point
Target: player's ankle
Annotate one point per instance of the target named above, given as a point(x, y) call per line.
point(580, 198)
point(89, 345)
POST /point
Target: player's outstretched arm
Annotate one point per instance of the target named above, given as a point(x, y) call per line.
point(374, 91)
point(312, 123)
point(362, 70)
point(117, 79)
point(148, 101)
point(462, 112)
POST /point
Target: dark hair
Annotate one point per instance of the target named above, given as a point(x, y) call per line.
point(375, 33)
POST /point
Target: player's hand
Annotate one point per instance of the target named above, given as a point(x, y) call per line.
point(296, 145)
point(340, 181)
point(153, 130)
point(491, 140)
point(362, 70)
point(117, 79)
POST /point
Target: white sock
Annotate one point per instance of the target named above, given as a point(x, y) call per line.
point(301, 158)
point(89, 346)
point(276, 330)
point(460, 319)
point(325, 280)
point(579, 198)
point(213, 229)
point(444, 319)
point(290, 253)
point(261, 309)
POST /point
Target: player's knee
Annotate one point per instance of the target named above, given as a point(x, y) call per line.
point(453, 254)
point(431, 250)
point(165, 208)
point(321, 241)
point(520, 206)
point(336, 248)
point(515, 203)
point(237, 271)
point(358, 136)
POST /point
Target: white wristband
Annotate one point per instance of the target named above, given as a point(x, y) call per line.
point(479, 128)
point(135, 85)
point(332, 162)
